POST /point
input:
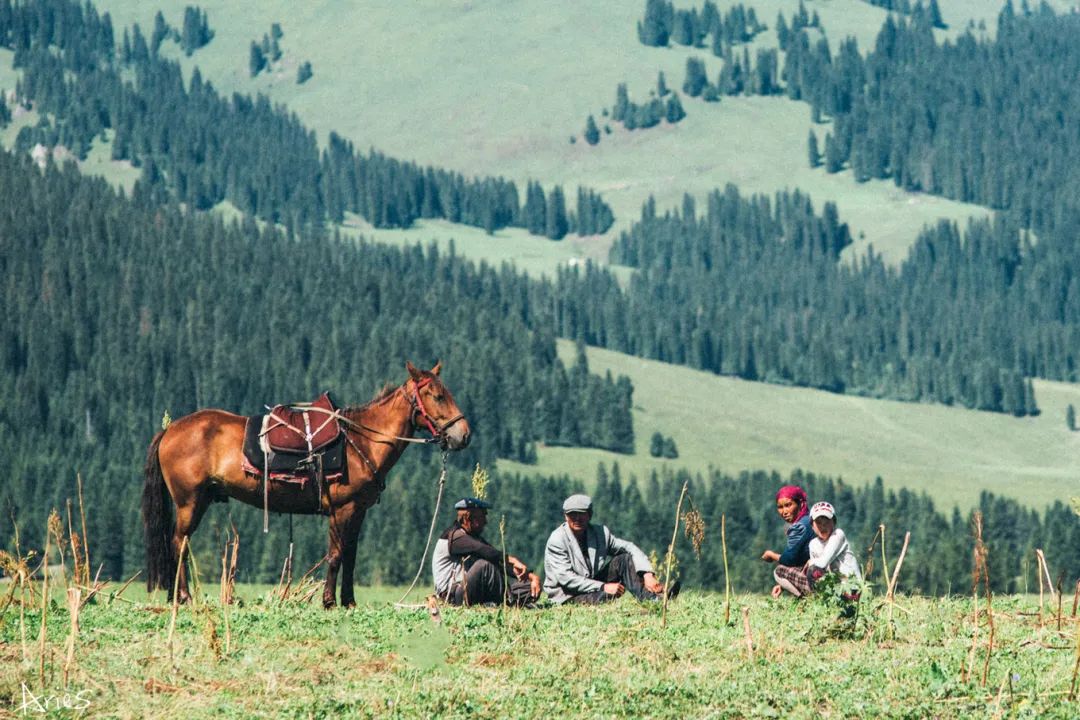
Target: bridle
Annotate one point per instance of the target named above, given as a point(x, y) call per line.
point(417, 409)
point(438, 434)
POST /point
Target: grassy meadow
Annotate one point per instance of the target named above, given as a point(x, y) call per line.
point(499, 89)
point(752, 657)
point(732, 425)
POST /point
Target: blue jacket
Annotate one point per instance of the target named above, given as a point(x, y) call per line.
point(799, 535)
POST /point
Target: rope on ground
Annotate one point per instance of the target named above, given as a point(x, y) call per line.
point(427, 545)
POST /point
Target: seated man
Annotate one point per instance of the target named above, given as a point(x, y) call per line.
point(469, 571)
point(586, 564)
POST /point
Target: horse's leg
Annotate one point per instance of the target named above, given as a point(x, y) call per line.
point(348, 558)
point(340, 525)
point(188, 516)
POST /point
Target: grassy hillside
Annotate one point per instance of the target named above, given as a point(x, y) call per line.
point(615, 661)
point(732, 425)
point(494, 88)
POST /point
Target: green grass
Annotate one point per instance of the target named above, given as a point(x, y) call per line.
point(500, 88)
point(614, 661)
point(733, 425)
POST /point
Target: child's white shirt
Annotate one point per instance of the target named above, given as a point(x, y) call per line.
point(834, 555)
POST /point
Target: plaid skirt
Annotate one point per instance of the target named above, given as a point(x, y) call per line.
point(793, 577)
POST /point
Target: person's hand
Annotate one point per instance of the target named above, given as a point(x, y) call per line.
point(614, 588)
point(520, 569)
point(534, 585)
point(652, 584)
point(776, 590)
point(770, 556)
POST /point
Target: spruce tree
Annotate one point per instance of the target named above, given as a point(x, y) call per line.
point(1070, 417)
point(592, 133)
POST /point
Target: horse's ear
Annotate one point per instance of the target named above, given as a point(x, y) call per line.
point(438, 367)
point(413, 372)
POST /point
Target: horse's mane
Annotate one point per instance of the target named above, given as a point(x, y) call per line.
point(387, 390)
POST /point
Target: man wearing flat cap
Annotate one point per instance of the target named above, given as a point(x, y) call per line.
point(585, 563)
point(470, 571)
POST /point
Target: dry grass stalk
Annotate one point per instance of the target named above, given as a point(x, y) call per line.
point(727, 579)
point(979, 573)
point(746, 633)
point(868, 564)
point(285, 581)
point(74, 600)
point(92, 589)
point(884, 561)
point(228, 568)
point(502, 537)
point(1061, 577)
point(1076, 667)
point(77, 572)
point(82, 518)
point(1038, 571)
point(1076, 597)
point(671, 555)
point(45, 599)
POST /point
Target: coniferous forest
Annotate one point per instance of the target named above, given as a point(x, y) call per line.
point(119, 309)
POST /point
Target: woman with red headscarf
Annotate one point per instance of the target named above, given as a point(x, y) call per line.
point(790, 573)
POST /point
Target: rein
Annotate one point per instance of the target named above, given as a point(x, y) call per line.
point(431, 531)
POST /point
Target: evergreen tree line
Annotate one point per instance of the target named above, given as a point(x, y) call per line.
point(975, 119)
point(752, 287)
point(201, 148)
point(118, 310)
point(737, 76)
point(634, 116)
point(662, 24)
point(905, 7)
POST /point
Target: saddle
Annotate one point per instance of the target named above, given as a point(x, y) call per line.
point(304, 428)
point(296, 444)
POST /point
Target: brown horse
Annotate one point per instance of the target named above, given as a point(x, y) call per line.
point(198, 458)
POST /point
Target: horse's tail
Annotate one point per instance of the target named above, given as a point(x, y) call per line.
point(157, 522)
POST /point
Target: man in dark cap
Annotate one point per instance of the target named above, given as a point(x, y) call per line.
point(585, 563)
point(470, 571)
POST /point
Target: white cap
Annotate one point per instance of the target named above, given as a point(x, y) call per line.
point(822, 509)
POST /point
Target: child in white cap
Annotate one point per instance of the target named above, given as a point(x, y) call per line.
point(829, 550)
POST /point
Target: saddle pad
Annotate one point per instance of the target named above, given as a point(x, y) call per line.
point(285, 465)
point(302, 429)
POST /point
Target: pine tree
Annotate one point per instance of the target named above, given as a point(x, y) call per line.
point(592, 133)
point(695, 77)
point(1070, 417)
point(256, 59)
point(812, 146)
point(675, 111)
point(556, 223)
point(304, 72)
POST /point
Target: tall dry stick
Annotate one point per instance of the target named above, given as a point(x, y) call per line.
point(671, 556)
point(1061, 577)
point(82, 518)
point(884, 561)
point(891, 589)
point(727, 580)
point(1038, 571)
point(976, 575)
point(1076, 667)
point(746, 633)
point(74, 600)
point(44, 610)
point(506, 586)
point(1076, 598)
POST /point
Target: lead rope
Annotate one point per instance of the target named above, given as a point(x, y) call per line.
point(427, 545)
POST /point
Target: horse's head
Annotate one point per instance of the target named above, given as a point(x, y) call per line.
point(434, 408)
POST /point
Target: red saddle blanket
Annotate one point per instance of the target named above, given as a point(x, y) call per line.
point(302, 428)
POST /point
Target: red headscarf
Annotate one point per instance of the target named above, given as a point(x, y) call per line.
point(797, 494)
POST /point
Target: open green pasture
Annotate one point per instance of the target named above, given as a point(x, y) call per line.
point(733, 425)
point(500, 88)
point(755, 657)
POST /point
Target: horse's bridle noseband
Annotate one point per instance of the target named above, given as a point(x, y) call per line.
point(438, 434)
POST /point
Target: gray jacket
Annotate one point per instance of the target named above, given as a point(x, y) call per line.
point(568, 573)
